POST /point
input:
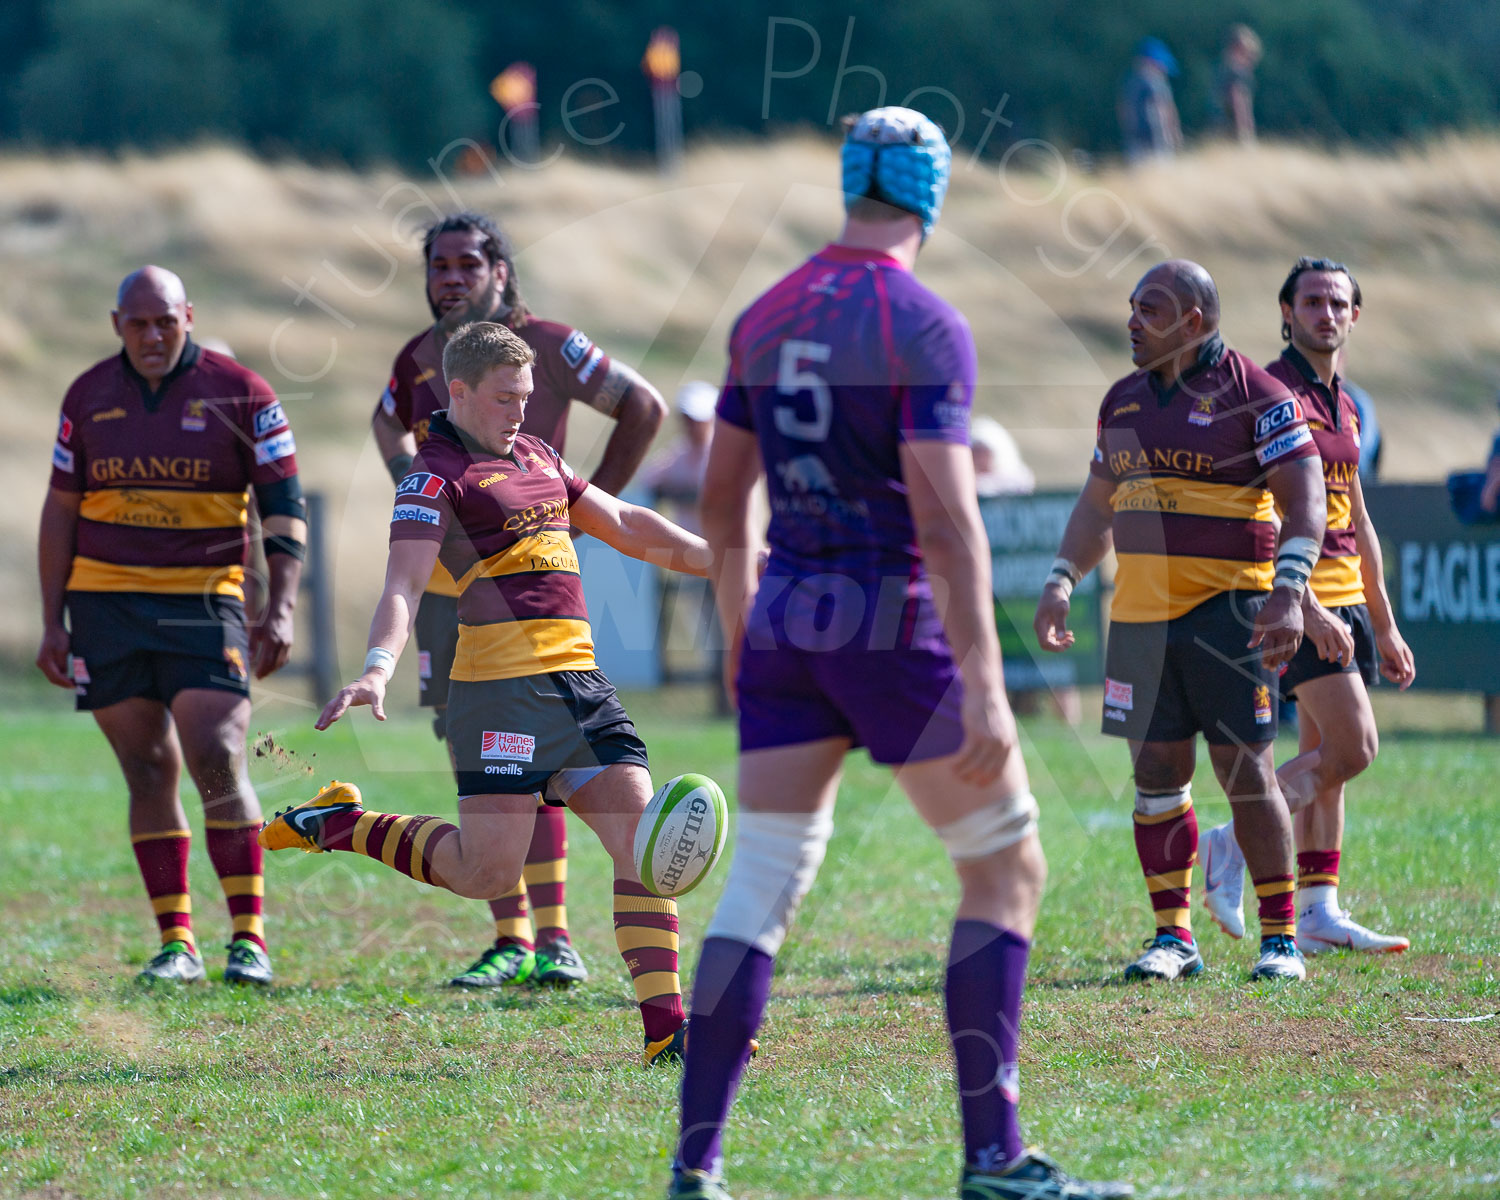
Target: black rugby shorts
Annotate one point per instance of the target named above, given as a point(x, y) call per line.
point(1307, 665)
point(1168, 680)
point(130, 644)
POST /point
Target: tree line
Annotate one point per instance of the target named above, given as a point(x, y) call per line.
point(367, 81)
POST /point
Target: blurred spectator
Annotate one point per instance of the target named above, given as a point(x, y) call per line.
point(1369, 432)
point(1234, 84)
point(1148, 114)
point(999, 469)
point(677, 476)
point(1489, 495)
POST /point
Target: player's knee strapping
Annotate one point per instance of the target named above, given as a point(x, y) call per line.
point(1166, 841)
point(776, 859)
point(990, 829)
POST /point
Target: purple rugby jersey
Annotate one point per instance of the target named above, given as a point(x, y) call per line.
point(833, 369)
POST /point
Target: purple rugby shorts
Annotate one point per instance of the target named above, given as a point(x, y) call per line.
point(903, 705)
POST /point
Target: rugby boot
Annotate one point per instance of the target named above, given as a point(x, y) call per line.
point(247, 963)
point(1166, 957)
point(301, 826)
point(696, 1185)
point(670, 1050)
point(1279, 959)
point(558, 965)
point(1034, 1176)
point(509, 965)
point(1223, 879)
point(174, 963)
point(1321, 929)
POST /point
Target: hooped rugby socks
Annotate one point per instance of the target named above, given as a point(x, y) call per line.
point(646, 933)
point(513, 919)
point(1317, 879)
point(237, 858)
point(730, 992)
point(546, 873)
point(1167, 845)
point(1276, 900)
point(163, 860)
point(403, 843)
point(986, 977)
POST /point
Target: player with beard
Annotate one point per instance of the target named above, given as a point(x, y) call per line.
point(1348, 618)
point(471, 276)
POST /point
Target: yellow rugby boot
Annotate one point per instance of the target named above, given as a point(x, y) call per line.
point(301, 826)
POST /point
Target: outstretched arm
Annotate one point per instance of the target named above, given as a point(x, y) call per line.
point(406, 575)
point(639, 532)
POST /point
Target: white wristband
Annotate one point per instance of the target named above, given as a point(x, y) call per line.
point(379, 658)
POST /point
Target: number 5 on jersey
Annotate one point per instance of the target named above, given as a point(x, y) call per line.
point(791, 378)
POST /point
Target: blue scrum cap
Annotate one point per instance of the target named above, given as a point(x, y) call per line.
point(899, 157)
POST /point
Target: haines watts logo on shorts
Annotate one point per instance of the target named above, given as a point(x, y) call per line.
point(520, 746)
point(1119, 695)
point(1262, 704)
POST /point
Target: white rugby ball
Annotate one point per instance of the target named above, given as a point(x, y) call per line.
point(681, 835)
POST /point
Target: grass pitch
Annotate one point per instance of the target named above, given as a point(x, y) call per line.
point(359, 1075)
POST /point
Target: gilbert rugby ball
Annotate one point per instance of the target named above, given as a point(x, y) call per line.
point(681, 835)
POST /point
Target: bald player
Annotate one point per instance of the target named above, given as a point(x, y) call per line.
point(471, 276)
point(143, 547)
point(1351, 633)
point(1195, 452)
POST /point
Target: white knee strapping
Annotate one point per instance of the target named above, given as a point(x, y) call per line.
point(1153, 804)
point(776, 859)
point(990, 829)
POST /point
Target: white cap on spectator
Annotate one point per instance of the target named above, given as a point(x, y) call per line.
point(1007, 473)
point(697, 400)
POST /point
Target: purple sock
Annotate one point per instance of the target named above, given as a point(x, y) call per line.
point(730, 992)
point(986, 976)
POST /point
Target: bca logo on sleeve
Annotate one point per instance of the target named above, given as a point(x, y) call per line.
point(575, 347)
point(420, 483)
point(269, 419)
point(1274, 418)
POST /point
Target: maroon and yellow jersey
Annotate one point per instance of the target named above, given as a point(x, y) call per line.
point(1334, 421)
point(568, 367)
point(502, 525)
point(165, 476)
point(1192, 516)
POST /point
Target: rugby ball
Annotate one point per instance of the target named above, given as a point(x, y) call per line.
point(681, 835)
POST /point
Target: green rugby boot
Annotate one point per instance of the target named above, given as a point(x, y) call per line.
point(509, 965)
point(174, 963)
point(247, 963)
point(558, 965)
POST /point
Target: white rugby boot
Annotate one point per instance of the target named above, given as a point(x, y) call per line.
point(1322, 928)
point(1223, 878)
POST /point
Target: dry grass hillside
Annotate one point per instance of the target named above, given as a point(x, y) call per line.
point(312, 277)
